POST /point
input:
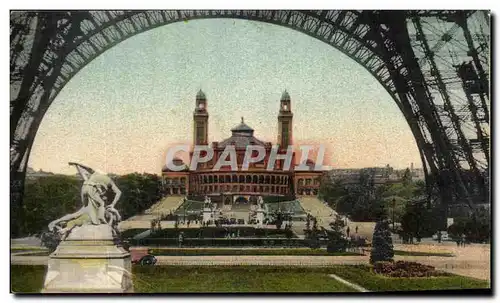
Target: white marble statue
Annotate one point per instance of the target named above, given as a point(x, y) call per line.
point(96, 191)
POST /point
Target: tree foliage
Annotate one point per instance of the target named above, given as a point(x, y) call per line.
point(476, 228)
point(419, 221)
point(139, 192)
point(364, 201)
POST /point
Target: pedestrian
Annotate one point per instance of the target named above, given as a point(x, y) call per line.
point(356, 229)
point(348, 231)
point(463, 240)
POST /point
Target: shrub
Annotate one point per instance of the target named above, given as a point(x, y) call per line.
point(382, 248)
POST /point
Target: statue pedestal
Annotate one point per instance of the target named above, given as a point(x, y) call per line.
point(88, 261)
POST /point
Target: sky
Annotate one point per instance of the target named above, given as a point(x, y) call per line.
point(123, 110)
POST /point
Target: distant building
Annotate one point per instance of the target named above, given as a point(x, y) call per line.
point(380, 175)
point(239, 185)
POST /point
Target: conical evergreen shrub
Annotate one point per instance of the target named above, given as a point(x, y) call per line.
point(382, 247)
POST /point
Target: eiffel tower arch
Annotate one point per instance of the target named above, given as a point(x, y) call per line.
point(434, 64)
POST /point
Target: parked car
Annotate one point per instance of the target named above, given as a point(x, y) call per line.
point(140, 255)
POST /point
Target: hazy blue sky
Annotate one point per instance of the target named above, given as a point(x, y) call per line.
point(123, 110)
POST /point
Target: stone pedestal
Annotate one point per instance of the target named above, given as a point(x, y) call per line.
point(88, 261)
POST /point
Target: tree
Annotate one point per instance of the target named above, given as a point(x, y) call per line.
point(46, 199)
point(382, 247)
point(363, 199)
point(336, 240)
point(330, 191)
point(476, 227)
point(406, 177)
point(419, 221)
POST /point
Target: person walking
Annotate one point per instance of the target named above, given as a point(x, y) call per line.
point(348, 231)
point(356, 229)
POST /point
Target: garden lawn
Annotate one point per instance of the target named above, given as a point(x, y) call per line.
point(365, 277)
point(186, 279)
point(234, 279)
point(26, 278)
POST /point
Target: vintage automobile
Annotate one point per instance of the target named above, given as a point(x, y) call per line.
point(141, 255)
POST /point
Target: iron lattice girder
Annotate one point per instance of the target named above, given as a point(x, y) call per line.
point(448, 108)
point(365, 36)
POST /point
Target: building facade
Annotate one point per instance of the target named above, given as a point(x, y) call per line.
point(231, 185)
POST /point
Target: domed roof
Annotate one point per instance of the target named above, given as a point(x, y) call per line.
point(242, 128)
point(285, 96)
point(200, 95)
point(242, 136)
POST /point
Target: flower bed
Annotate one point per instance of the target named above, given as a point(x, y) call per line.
point(403, 269)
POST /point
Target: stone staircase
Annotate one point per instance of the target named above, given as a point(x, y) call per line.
point(324, 214)
point(164, 206)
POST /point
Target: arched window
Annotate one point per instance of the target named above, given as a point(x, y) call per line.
point(248, 179)
point(301, 182)
point(235, 179)
point(261, 179)
point(228, 179)
point(255, 179)
point(242, 179)
point(267, 180)
point(216, 179)
point(272, 179)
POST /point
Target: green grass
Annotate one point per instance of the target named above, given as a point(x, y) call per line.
point(246, 252)
point(161, 279)
point(422, 253)
point(365, 277)
point(174, 279)
point(26, 279)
